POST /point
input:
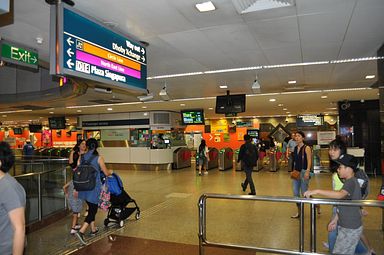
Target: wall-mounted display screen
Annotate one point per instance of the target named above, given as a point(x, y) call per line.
point(309, 120)
point(35, 128)
point(254, 133)
point(230, 104)
point(18, 131)
point(56, 122)
point(192, 117)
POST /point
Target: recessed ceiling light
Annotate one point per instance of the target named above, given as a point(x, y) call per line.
point(284, 109)
point(145, 114)
point(51, 112)
point(182, 104)
point(324, 96)
point(205, 7)
point(370, 76)
point(144, 107)
point(78, 110)
point(109, 109)
point(272, 100)
point(291, 82)
point(210, 108)
point(287, 112)
point(223, 86)
point(280, 105)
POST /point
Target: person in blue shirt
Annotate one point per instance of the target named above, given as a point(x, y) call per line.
point(28, 150)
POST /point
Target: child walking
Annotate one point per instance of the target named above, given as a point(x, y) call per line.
point(348, 218)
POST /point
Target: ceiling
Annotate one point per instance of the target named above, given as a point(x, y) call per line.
point(183, 40)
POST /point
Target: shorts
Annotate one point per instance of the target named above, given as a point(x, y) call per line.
point(76, 204)
point(203, 162)
point(347, 240)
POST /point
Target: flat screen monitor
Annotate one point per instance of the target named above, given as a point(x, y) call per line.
point(56, 122)
point(309, 120)
point(230, 104)
point(35, 128)
point(254, 133)
point(18, 131)
point(192, 117)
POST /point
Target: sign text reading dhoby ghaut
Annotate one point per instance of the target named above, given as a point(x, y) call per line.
point(92, 51)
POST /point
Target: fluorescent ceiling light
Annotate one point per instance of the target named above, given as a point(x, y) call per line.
point(370, 76)
point(223, 86)
point(205, 7)
point(182, 104)
point(291, 82)
point(272, 100)
point(324, 96)
point(109, 109)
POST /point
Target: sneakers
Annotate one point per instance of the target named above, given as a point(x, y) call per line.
point(252, 193)
point(243, 187)
point(295, 216)
point(199, 174)
point(94, 233)
point(206, 172)
point(326, 245)
point(73, 231)
point(80, 236)
point(77, 227)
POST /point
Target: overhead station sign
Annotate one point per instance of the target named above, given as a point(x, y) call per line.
point(18, 54)
point(90, 50)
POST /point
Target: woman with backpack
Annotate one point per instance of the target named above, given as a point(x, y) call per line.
point(93, 159)
point(203, 155)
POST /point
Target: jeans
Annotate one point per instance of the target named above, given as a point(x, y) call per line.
point(300, 186)
point(248, 178)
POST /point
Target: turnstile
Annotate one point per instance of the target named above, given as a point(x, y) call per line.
point(181, 158)
point(225, 159)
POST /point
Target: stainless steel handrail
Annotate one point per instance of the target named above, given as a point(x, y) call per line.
point(312, 201)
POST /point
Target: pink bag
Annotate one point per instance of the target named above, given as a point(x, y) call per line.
point(104, 198)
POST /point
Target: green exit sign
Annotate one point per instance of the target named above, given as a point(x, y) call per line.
point(19, 55)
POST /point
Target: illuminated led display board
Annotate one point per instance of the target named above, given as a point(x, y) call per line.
point(88, 49)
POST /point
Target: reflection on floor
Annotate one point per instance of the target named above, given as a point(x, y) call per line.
point(168, 203)
point(117, 244)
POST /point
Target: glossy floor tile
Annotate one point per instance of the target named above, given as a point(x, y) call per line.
point(169, 213)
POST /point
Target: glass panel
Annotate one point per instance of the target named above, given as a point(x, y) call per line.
point(30, 185)
point(53, 198)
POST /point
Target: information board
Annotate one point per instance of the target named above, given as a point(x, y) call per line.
point(90, 50)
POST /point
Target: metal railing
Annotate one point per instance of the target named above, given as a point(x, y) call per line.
point(202, 205)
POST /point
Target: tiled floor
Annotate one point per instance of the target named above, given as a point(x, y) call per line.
point(168, 203)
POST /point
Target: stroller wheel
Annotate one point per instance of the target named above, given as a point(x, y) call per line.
point(106, 221)
point(137, 216)
point(121, 223)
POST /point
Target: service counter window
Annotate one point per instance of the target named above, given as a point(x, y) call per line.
point(177, 137)
point(140, 137)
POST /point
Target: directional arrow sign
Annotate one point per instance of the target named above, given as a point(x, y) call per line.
point(210, 137)
point(142, 51)
point(69, 63)
point(70, 52)
point(17, 54)
point(69, 41)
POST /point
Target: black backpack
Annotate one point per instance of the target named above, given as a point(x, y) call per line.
point(250, 155)
point(84, 178)
point(202, 153)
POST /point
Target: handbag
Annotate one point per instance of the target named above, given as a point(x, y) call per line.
point(295, 175)
point(104, 198)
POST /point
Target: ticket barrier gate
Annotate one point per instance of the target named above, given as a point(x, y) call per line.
point(225, 159)
point(181, 158)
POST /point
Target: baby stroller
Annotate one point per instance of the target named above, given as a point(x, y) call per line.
point(120, 201)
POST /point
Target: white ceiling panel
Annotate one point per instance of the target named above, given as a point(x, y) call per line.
point(320, 51)
point(305, 7)
point(275, 33)
point(284, 55)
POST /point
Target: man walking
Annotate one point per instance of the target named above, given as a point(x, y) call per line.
point(248, 157)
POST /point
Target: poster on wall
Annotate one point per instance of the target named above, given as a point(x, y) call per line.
point(226, 138)
point(217, 138)
point(325, 137)
point(46, 138)
point(240, 136)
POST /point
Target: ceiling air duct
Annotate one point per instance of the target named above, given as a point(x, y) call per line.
point(247, 6)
